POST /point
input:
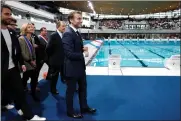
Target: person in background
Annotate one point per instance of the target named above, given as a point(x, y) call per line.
point(28, 52)
point(10, 60)
point(13, 24)
point(74, 59)
point(55, 55)
point(41, 58)
point(38, 49)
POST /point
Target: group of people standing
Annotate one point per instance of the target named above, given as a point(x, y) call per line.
point(63, 52)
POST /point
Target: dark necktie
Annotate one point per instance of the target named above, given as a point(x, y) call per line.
point(80, 38)
point(78, 34)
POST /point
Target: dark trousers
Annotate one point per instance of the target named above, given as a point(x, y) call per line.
point(7, 99)
point(71, 89)
point(12, 86)
point(62, 73)
point(34, 81)
point(53, 73)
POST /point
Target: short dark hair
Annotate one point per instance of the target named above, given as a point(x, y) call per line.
point(42, 29)
point(33, 24)
point(5, 6)
point(71, 15)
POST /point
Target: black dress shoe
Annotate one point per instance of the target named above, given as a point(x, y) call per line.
point(74, 115)
point(88, 110)
point(55, 92)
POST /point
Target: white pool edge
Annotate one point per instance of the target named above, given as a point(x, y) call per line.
point(132, 71)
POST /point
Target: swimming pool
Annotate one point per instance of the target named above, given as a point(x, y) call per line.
point(137, 53)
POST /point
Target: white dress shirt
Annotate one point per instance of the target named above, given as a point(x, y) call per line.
point(60, 34)
point(73, 28)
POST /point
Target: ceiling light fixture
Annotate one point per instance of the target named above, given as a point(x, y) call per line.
point(91, 6)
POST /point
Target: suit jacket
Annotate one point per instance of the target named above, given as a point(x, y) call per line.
point(26, 54)
point(55, 51)
point(16, 52)
point(40, 49)
point(74, 64)
point(43, 45)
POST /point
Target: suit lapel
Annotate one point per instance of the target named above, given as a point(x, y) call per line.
point(58, 36)
point(77, 36)
point(13, 49)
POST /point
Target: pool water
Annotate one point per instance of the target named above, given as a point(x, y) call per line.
point(137, 53)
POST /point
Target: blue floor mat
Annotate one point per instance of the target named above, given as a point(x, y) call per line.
point(115, 98)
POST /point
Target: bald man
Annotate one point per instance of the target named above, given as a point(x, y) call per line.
point(55, 55)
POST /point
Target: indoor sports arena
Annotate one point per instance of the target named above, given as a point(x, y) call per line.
point(90, 60)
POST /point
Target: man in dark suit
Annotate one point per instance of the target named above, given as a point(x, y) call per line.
point(55, 55)
point(41, 58)
point(74, 66)
point(38, 50)
point(10, 61)
point(43, 41)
